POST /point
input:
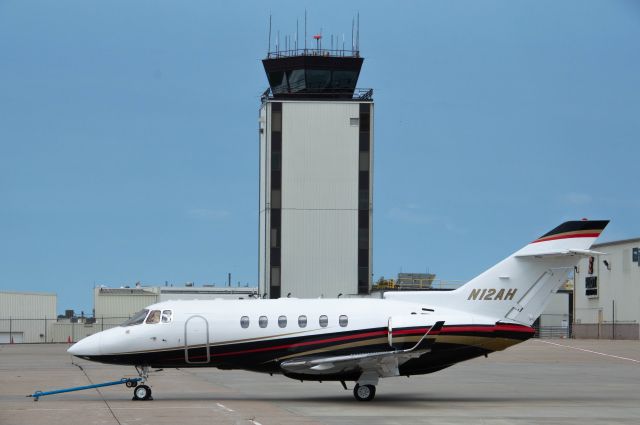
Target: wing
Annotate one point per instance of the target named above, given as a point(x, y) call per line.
point(382, 364)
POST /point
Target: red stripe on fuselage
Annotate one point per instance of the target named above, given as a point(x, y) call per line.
point(305, 343)
point(419, 331)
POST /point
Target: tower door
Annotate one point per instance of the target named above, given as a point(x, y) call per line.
point(196, 340)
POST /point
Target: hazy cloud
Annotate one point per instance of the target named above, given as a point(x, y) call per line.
point(207, 214)
point(412, 214)
point(574, 198)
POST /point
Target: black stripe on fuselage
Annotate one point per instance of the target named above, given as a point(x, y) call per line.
point(266, 355)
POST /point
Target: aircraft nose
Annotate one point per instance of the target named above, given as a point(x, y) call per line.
point(89, 346)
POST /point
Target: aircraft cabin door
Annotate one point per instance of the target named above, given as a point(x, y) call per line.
point(196, 340)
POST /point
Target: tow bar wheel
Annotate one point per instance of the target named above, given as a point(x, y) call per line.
point(142, 392)
point(364, 392)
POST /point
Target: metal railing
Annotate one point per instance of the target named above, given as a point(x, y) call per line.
point(340, 53)
point(358, 94)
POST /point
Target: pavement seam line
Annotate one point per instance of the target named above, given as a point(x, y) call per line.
point(99, 392)
point(591, 351)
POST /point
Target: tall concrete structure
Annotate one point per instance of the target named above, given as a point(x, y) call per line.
point(316, 175)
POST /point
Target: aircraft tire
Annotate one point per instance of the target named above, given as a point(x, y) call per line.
point(142, 392)
point(364, 392)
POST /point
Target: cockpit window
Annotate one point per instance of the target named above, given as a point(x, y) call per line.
point(136, 319)
point(154, 317)
point(167, 316)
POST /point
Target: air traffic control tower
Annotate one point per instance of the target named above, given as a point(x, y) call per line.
point(316, 157)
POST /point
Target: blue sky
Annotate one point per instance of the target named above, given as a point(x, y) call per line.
point(129, 150)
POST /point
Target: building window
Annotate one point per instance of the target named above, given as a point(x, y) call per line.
point(302, 321)
point(343, 320)
point(324, 321)
point(263, 321)
point(282, 321)
point(276, 198)
point(354, 122)
point(364, 161)
point(275, 276)
point(244, 322)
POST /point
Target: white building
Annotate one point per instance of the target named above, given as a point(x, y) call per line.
point(607, 292)
point(316, 157)
point(26, 316)
point(115, 305)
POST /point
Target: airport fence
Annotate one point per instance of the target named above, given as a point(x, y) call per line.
point(52, 330)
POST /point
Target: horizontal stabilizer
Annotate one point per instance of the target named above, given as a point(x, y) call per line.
point(564, 252)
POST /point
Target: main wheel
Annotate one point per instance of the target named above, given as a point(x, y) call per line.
point(142, 392)
point(364, 392)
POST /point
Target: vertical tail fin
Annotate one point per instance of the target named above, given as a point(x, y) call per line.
point(519, 287)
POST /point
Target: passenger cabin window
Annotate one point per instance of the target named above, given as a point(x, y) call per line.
point(263, 321)
point(302, 321)
point(167, 316)
point(154, 317)
point(244, 322)
point(282, 321)
point(324, 321)
point(136, 319)
point(343, 320)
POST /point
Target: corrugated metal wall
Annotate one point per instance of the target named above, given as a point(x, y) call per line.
point(20, 306)
point(319, 198)
point(123, 305)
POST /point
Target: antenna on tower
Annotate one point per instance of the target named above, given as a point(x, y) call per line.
point(296, 34)
point(352, 46)
point(269, 49)
point(358, 34)
point(305, 31)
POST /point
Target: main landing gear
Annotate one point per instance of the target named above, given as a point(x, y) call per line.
point(364, 392)
point(141, 392)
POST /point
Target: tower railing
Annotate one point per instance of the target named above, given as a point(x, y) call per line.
point(358, 94)
point(342, 53)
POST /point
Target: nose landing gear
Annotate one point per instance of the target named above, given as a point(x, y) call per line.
point(142, 392)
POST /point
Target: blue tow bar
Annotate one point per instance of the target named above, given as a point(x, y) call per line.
point(39, 394)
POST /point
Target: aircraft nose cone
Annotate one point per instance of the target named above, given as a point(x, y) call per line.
point(89, 346)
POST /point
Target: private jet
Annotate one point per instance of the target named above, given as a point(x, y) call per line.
point(356, 340)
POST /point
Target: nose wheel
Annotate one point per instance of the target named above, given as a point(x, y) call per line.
point(142, 392)
point(364, 392)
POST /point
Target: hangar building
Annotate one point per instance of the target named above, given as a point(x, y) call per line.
point(607, 292)
point(18, 313)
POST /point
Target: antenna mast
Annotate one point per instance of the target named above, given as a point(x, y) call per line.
point(269, 49)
